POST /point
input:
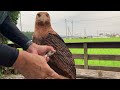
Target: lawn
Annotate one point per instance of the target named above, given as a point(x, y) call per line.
point(114, 39)
point(111, 51)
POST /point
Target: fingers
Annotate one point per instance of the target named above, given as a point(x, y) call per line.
point(57, 76)
point(62, 77)
point(53, 75)
point(50, 48)
point(47, 58)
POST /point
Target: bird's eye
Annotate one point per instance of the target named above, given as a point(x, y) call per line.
point(38, 15)
point(47, 15)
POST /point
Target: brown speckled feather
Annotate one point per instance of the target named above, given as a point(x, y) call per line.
point(62, 61)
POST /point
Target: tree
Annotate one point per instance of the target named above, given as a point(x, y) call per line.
point(14, 15)
point(3, 39)
point(28, 34)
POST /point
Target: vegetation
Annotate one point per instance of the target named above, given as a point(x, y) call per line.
point(28, 34)
point(98, 62)
point(113, 39)
point(110, 51)
point(14, 15)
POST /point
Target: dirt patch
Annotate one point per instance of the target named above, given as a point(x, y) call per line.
point(97, 74)
point(12, 76)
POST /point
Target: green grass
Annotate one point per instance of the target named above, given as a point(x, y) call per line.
point(110, 51)
point(116, 39)
point(98, 62)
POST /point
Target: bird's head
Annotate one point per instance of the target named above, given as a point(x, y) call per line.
point(43, 19)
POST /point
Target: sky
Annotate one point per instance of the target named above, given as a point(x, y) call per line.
point(84, 22)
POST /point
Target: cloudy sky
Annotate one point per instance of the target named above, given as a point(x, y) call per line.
point(84, 22)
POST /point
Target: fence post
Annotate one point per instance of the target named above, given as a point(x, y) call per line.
point(85, 56)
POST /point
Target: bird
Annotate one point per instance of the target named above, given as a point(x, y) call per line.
point(62, 60)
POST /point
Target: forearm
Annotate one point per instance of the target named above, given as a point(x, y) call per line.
point(8, 55)
point(9, 30)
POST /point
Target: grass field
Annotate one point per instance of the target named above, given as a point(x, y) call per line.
point(111, 51)
point(96, 51)
point(116, 39)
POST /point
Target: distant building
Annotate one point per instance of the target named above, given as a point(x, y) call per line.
point(117, 35)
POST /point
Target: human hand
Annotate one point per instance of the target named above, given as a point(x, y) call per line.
point(33, 66)
point(39, 49)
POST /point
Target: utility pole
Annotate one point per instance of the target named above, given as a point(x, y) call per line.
point(72, 28)
point(66, 26)
point(85, 33)
point(97, 33)
point(68, 32)
point(20, 21)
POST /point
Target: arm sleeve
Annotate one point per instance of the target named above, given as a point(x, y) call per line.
point(10, 31)
point(8, 55)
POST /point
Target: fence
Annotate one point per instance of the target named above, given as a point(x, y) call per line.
point(87, 56)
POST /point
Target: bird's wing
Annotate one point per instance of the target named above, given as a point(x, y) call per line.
point(57, 42)
point(62, 59)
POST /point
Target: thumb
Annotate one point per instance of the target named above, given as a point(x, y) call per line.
point(47, 58)
point(50, 48)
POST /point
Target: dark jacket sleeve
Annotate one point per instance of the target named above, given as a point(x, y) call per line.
point(10, 30)
point(3, 15)
point(8, 55)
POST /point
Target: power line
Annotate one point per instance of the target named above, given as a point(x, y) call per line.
point(101, 19)
point(83, 21)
